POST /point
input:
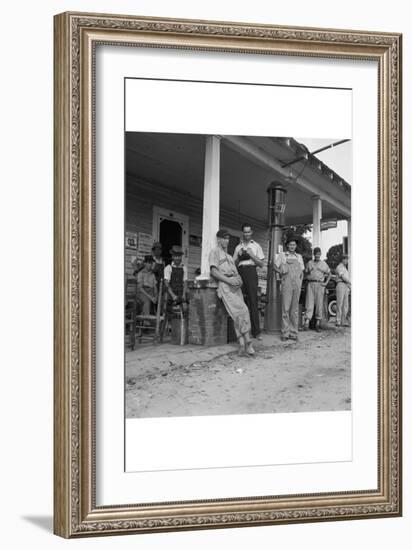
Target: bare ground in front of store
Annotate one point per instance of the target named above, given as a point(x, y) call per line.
point(311, 375)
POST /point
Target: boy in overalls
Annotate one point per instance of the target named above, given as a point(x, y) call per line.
point(290, 266)
point(175, 278)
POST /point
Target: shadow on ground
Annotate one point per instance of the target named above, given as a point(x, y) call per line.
point(43, 522)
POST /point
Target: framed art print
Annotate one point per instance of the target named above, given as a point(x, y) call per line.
point(227, 274)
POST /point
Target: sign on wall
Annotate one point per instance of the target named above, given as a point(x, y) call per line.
point(131, 240)
point(144, 244)
point(328, 224)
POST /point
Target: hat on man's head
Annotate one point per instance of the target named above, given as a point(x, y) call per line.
point(176, 250)
point(222, 233)
point(157, 245)
point(148, 258)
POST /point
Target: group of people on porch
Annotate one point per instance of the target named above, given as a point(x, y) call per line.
point(237, 280)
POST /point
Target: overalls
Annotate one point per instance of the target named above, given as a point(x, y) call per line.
point(158, 268)
point(176, 284)
point(291, 286)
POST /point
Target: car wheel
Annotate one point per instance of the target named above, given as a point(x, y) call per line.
point(332, 308)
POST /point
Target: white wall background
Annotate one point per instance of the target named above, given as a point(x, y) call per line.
point(26, 273)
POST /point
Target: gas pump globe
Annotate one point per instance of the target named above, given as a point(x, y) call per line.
point(277, 204)
point(276, 214)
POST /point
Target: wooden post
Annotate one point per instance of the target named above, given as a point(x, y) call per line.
point(211, 202)
point(317, 216)
point(158, 311)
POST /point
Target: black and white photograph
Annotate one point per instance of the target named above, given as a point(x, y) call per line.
point(238, 281)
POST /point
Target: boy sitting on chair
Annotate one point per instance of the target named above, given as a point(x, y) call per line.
point(147, 286)
point(175, 278)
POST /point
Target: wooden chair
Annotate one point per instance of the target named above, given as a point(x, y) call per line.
point(130, 310)
point(152, 327)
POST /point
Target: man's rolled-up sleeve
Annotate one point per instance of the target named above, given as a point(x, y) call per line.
point(214, 258)
point(260, 254)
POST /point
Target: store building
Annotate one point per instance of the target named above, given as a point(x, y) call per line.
point(181, 188)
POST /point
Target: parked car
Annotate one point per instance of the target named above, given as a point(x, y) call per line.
point(331, 295)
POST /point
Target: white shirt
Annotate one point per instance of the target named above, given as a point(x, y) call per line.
point(342, 274)
point(168, 272)
point(317, 270)
point(254, 246)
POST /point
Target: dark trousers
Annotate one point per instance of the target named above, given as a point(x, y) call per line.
point(249, 277)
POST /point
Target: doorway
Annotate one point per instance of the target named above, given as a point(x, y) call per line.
point(170, 233)
point(170, 228)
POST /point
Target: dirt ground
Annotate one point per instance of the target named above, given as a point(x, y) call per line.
point(310, 375)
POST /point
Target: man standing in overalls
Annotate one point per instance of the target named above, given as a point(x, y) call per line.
point(290, 267)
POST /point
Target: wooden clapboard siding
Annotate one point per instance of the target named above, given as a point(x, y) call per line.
point(142, 196)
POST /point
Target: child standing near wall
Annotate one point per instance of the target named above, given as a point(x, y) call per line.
point(175, 278)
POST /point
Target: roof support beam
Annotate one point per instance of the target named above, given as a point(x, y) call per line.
point(258, 156)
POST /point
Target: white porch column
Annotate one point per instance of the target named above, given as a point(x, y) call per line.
point(211, 201)
point(317, 216)
point(349, 244)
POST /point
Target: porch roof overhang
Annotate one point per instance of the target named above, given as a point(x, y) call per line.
point(248, 165)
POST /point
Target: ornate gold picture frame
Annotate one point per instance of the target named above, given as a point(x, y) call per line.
point(77, 512)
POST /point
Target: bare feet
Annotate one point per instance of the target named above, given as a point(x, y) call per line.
point(241, 351)
point(249, 349)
